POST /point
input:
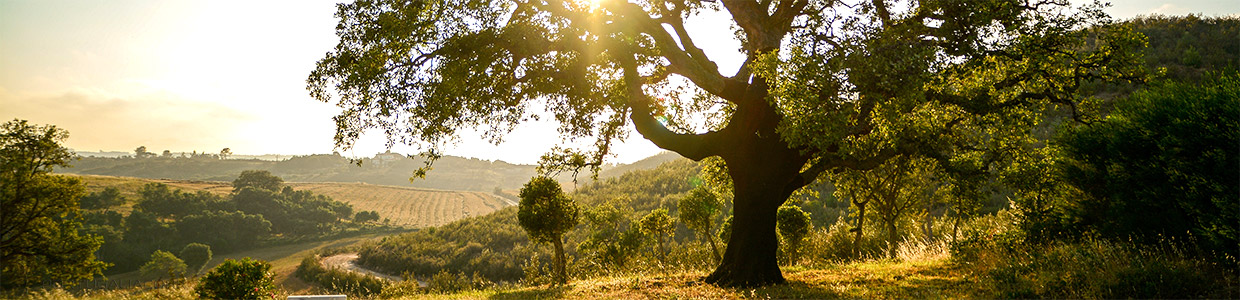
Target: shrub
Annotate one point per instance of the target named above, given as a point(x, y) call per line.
point(196, 256)
point(1162, 165)
point(793, 224)
point(163, 263)
point(337, 280)
point(1090, 268)
point(243, 279)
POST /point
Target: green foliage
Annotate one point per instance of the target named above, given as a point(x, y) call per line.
point(447, 282)
point(259, 179)
point(697, 211)
point(238, 279)
point(545, 212)
point(163, 201)
point(1096, 269)
point(725, 229)
point(41, 241)
point(366, 216)
point(610, 244)
point(109, 197)
point(658, 225)
point(228, 231)
point(292, 212)
point(793, 224)
point(1163, 165)
point(493, 246)
point(337, 280)
point(163, 263)
point(900, 189)
point(1190, 47)
point(196, 256)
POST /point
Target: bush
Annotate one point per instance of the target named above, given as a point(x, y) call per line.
point(243, 279)
point(337, 280)
point(163, 263)
point(1162, 165)
point(1009, 267)
point(196, 256)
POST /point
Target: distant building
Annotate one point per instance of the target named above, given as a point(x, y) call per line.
point(387, 158)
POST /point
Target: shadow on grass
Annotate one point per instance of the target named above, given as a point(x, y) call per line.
point(791, 290)
point(546, 292)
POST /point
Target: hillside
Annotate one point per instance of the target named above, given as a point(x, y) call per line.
point(403, 206)
point(449, 173)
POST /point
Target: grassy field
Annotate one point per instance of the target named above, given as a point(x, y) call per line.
point(923, 279)
point(404, 206)
point(865, 280)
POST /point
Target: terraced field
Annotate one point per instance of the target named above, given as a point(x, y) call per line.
point(402, 205)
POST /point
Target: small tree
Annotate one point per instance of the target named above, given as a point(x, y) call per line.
point(141, 152)
point(243, 279)
point(224, 154)
point(697, 211)
point(163, 263)
point(366, 216)
point(660, 226)
point(793, 224)
point(196, 256)
point(260, 179)
point(546, 214)
point(109, 197)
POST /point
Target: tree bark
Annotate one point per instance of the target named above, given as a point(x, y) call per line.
point(892, 236)
point(860, 222)
point(561, 275)
point(713, 247)
point(765, 172)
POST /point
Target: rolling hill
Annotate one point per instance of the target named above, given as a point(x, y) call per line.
point(404, 206)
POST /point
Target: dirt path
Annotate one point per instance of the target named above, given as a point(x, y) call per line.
point(348, 261)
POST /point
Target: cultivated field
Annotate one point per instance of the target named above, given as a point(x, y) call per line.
point(402, 205)
point(408, 206)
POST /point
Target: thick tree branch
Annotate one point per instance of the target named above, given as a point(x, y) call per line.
point(703, 75)
point(692, 146)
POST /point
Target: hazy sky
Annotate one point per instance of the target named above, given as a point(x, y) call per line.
point(204, 75)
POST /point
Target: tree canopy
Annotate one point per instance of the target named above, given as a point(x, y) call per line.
point(823, 85)
point(39, 239)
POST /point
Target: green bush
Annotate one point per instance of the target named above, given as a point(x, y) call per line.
point(243, 279)
point(337, 280)
point(1164, 164)
point(163, 263)
point(196, 256)
point(1091, 268)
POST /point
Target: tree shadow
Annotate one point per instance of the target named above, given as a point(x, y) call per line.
point(793, 289)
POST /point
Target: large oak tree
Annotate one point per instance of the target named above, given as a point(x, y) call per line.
point(823, 85)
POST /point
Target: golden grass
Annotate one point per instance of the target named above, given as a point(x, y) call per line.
point(922, 279)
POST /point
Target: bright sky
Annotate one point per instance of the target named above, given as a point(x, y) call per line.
point(204, 75)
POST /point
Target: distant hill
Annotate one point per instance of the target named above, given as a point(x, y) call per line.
point(449, 173)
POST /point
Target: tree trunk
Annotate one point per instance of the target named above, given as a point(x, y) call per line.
point(561, 277)
point(860, 222)
point(713, 248)
point(764, 174)
point(891, 238)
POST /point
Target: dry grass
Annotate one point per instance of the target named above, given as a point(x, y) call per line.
point(920, 279)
